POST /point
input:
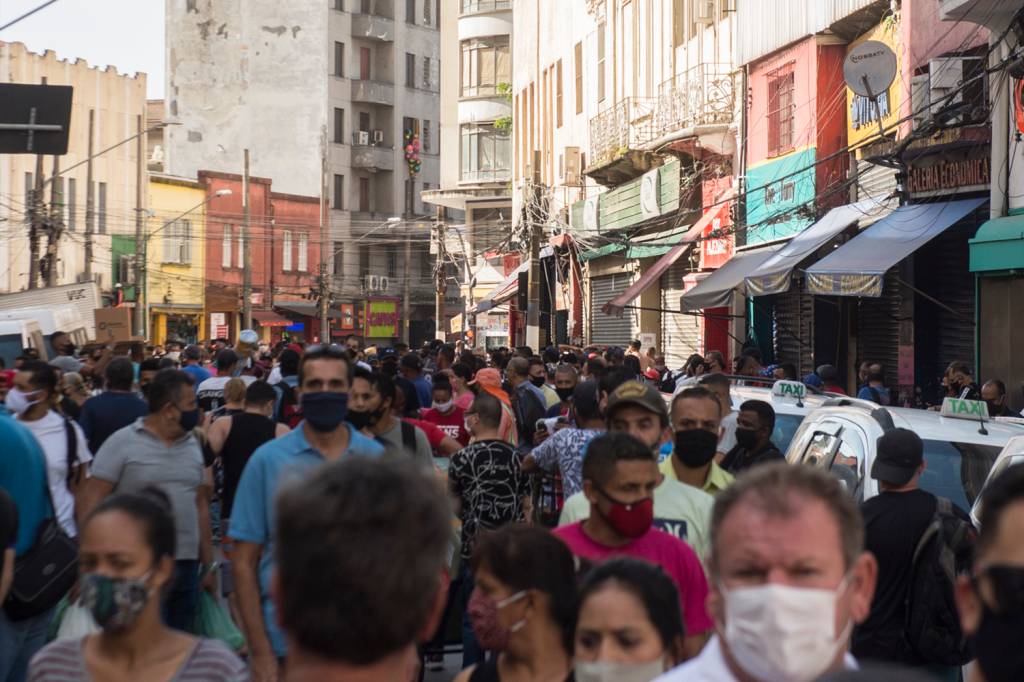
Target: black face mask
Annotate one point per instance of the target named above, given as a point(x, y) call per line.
point(538, 381)
point(997, 642)
point(994, 407)
point(362, 420)
point(565, 393)
point(695, 447)
point(746, 438)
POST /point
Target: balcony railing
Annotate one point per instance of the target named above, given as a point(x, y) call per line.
point(703, 95)
point(373, 27)
point(492, 175)
point(627, 125)
point(373, 92)
point(479, 6)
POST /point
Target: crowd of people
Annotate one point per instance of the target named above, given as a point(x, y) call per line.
point(579, 514)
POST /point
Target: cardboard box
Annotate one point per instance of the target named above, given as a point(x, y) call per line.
point(113, 324)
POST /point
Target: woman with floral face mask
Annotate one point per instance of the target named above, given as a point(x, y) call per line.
point(629, 628)
point(126, 562)
point(523, 606)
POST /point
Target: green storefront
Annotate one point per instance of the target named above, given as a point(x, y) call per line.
point(997, 261)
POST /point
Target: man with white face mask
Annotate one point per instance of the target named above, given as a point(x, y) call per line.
point(789, 579)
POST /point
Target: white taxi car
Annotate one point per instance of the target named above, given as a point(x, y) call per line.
point(1011, 455)
point(961, 444)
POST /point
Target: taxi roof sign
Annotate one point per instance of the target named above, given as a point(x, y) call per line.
point(789, 389)
point(964, 409)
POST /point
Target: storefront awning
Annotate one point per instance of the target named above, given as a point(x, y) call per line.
point(774, 276)
point(716, 289)
point(268, 318)
point(508, 288)
point(617, 305)
point(998, 245)
point(858, 267)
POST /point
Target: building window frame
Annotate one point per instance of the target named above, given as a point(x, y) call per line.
point(485, 63)
point(339, 59)
point(485, 153)
point(781, 110)
point(227, 242)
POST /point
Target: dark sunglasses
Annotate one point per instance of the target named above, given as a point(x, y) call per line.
point(1007, 585)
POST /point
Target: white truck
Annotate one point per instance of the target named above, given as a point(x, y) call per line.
point(82, 298)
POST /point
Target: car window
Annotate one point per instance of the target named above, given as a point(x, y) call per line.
point(819, 450)
point(848, 463)
point(1001, 466)
point(785, 428)
point(957, 471)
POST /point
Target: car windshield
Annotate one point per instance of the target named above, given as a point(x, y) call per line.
point(957, 471)
point(785, 428)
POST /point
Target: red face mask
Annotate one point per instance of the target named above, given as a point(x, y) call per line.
point(631, 520)
point(483, 614)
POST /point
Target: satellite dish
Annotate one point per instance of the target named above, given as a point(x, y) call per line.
point(870, 68)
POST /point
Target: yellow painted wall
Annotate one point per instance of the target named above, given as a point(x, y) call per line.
point(169, 283)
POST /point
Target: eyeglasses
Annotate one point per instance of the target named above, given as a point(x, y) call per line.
point(1007, 585)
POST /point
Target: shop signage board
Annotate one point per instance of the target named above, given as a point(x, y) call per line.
point(945, 175)
point(381, 318)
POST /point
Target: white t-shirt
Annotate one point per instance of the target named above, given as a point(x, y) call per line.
point(53, 440)
point(728, 441)
point(210, 393)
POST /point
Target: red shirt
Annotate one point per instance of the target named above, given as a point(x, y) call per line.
point(658, 547)
point(452, 424)
point(434, 434)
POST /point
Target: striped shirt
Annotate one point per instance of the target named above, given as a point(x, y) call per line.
point(208, 661)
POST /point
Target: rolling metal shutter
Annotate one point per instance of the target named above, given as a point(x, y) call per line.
point(681, 335)
point(793, 329)
point(874, 180)
point(878, 328)
point(609, 329)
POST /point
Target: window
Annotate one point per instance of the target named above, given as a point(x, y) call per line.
point(781, 106)
point(426, 13)
point(600, 62)
point(339, 192)
point(425, 137)
point(578, 66)
point(485, 153)
point(339, 258)
point(339, 126)
point(339, 5)
point(364, 6)
point(392, 261)
point(364, 195)
point(558, 94)
point(303, 252)
point(364, 63)
point(286, 260)
point(241, 246)
point(779, 192)
point(29, 189)
point(426, 73)
point(101, 215)
point(364, 260)
point(410, 70)
point(225, 247)
point(178, 242)
point(339, 60)
point(364, 121)
point(410, 11)
point(677, 23)
point(72, 205)
point(486, 64)
point(58, 195)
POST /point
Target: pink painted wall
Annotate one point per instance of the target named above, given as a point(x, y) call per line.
point(803, 57)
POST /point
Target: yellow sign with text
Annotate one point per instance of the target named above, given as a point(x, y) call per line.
point(861, 113)
point(381, 318)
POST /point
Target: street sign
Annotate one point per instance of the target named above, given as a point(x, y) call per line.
point(870, 68)
point(34, 119)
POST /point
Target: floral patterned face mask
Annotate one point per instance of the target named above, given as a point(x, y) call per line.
point(115, 603)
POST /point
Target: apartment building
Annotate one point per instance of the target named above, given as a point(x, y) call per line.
point(117, 103)
point(333, 98)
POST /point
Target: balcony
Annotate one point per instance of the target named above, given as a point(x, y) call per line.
point(483, 176)
point(373, 157)
point(482, 6)
point(373, 27)
point(617, 140)
point(704, 95)
point(373, 92)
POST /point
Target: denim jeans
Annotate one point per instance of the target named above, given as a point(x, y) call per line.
point(180, 608)
point(19, 642)
point(472, 653)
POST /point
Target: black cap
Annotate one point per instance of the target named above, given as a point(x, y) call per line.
point(827, 372)
point(412, 361)
point(226, 358)
point(899, 453)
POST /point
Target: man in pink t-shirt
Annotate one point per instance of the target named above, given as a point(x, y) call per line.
point(619, 477)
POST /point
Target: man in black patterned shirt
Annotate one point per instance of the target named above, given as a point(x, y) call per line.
point(487, 483)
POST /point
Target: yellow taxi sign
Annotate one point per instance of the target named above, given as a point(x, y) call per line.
point(789, 389)
point(959, 408)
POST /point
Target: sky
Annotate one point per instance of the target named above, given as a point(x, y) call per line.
point(127, 34)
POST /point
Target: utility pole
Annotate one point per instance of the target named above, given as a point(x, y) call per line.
point(140, 266)
point(405, 286)
point(54, 226)
point(440, 320)
point(535, 226)
point(89, 200)
point(324, 290)
point(35, 225)
point(246, 272)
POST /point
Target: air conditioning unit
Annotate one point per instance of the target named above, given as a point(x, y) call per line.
point(376, 283)
point(361, 137)
point(572, 166)
point(704, 12)
point(919, 98)
point(948, 75)
point(378, 136)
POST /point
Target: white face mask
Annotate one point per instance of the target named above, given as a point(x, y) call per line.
point(443, 407)
point(17, 401)
point(611, 671)
point(779, 633)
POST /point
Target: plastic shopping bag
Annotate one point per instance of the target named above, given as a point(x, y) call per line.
point(214, 621)
point(76, 623)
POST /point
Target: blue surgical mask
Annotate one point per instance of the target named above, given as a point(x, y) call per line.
point(324, 410)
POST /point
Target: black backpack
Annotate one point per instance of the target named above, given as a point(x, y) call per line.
point(943, 552)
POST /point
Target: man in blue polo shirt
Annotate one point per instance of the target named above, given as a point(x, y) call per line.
point(325, 376)
point(23, 476)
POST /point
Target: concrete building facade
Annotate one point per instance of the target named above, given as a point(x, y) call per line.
point(116, 100)
point(333, 99)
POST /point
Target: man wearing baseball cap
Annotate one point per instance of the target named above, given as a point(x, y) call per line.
point(894, 522)
point(412, 371)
